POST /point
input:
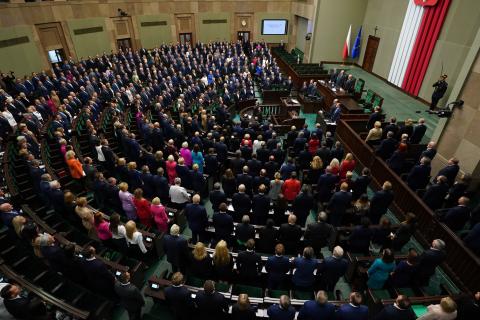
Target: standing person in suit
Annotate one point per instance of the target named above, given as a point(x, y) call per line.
point(28, 308)
point(456, 217)
point(320, 234)
point(326, 185)
point(399, 310)
point(260, 206)
point(450, 171)
point(277, 267)
point(303, 277)
point(176, 248)
point(338, 205)
point(402, 276)
point(387, 147)
point(374, 117)
point(380, 202)
point(436, 193)
point(291, 187)
point(98, 278)
point(289, 235)
point(130, 297)
point(197, 218)
point(223, 224)
point(201, 265)
point(319, 308)
point(331, 269)
point(242, 310)
point(349, 85)
point(179, 299)
point(361, 184)
point(281, 311)
point(468, 306)
point(217, 196)
point(419, 175)
point(418, 131)
point(241, 202)
point(440, 88)
point(249, 263)
point(303, 204)
point(267, 237)
point(354, 310)
point(428, 261)
point(210, 304)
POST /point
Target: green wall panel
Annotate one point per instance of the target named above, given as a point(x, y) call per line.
point(213, 31)
point(89, 44)
point(21, 58)
point(153, 36)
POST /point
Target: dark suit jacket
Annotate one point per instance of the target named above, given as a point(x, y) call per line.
point(223, 224)
point(25, 308)
point(450, 172)
point(196, 216)
point(331, 269)
point(180, 301)
point(290, 235)
point(376, 116)
point(176, 248)
point(130, 297)
point(338, 205)
point(98, 278)
point(277, 267)
point(391, 312)
point(427, 263)
point(419, 176)
point(246, 180)
point(243, 232)
point(319, 235)
point(325, 186)
point(379, 204)
point(418, 133)
point(302, 205)
point(456, 217)
point(211, 306)
point(360, 186)
point(241, 204)
point(216, 198)
point(386, 148)
point(249, 264)
point(312, 310)
point(349, 312)
point(260, 208)
point(435, 195)
point(275, 312)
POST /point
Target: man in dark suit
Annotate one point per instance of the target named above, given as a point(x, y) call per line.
point(419, 175)
point(326, 185)
point(380, 202)
point(302, 205)
point(217, 196)
point(241, 202)
point(428, 261)
point(244, 231)
point(436, 193)
point(237, 163)
point(7, 213)
point(331, 269)
point(456, 217)
point(450, 171)
point(28, 308)
point(197, 218)
point(320, 234)
point(430, 152)
point(440, 88)
point(210, 304)
point(340, 202)
point(418, 131)
point(400, 310)
point(281, 311)
point(387, 147)
point(249, 263)
point(245, 179)
point(98, 278)
point(260, 206)
point(391, 126)
point(176, 248)
point(223, 224)
point(350, 84)
point(254, 165)
point(319, 308)
point(289, 235)
point(130, 297)
point(179, 298)
point(353, 310)
point(277, 267)
point(374, 117)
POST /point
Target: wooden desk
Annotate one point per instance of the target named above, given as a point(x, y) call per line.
point(349, 105)
point(288, 105)
point(311, 106)
point(274, 96)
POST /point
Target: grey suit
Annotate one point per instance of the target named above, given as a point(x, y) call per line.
point(131, 299)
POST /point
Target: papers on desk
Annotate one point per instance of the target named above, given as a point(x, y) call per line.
point(329, 123)
point(193, 295)
point(230, 207)
point(334, 89)
point(294, 101)
point(271, 212)
point(288, 212)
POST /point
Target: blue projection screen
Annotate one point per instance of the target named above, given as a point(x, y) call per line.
point(274, 26)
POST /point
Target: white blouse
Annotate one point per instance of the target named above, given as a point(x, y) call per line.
point(121, 233)
point(137, 239)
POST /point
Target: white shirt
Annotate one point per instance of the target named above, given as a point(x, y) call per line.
point(100, 155)
point(178, 194)
point(10, 118)
point(257, 144)
point(121, 233)
point(137, 239)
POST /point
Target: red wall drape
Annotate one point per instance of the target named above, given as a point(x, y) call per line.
point(430, 27)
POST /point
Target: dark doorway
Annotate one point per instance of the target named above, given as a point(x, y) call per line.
point(185, 38)
point(370, 53)
point(124, 44)
point(243, 36)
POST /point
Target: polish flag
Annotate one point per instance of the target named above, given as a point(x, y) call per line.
point(346, 46)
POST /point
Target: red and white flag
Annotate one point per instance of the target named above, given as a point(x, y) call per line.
point(346, 46)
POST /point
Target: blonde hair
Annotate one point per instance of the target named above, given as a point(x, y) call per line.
point(199, 251)
point(156, 201)
point(70, 155)
point(334, 163)
point(121, 161)
point(18, 222)
point(132, 165)
point(448, 305)
point(130, 228)
point(185, 144)
point(181, 161)
point(349, 156)
point(221, 257)
point(377, 124)
point(123, 186)
point(316, 163)
point(82, 201)
point(171, 158)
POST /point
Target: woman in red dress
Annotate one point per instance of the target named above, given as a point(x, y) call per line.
point(143, 208)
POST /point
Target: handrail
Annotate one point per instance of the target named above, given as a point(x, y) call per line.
point(460, 261)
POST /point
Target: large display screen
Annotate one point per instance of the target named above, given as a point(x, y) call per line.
point(274, 26)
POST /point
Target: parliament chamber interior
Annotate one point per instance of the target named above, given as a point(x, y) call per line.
point(237, 159)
